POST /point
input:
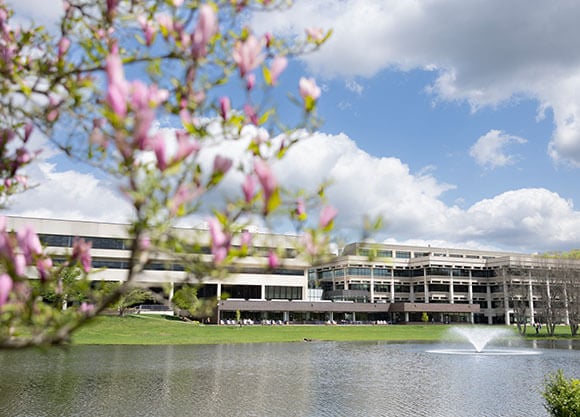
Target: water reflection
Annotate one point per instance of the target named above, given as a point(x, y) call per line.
point(295, 379)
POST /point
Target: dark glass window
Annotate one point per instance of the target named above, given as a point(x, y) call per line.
point(107, 243)
point(283, 293)
point(439, 271)
point(59, 241)
point(439, 287)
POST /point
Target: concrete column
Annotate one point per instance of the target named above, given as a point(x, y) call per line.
point(488, 300)
point(531, 298)
point(392, 287)
point(412, 291)
point(372, 284)
point(286, 316)
point(263, 292)
point(406, 317)
point(472, 318)
point(171, 290)
point(353, 316)
point(566, 312)
point(451, 291)
point(219, 291)
point(549, 296)
point(426, 285)
point(470, 289)
point(506, 302)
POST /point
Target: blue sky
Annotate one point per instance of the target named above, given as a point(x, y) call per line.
point(457, 121)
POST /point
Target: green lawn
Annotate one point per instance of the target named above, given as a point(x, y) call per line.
point(156, 330)
point(159, 330)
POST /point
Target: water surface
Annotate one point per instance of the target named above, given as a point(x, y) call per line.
point(285, 379)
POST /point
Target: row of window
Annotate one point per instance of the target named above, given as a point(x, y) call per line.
point(162, 266)
point(404, 273)
point(67, 241)
point(383, 253)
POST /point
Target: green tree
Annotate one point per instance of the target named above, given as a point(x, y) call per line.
point(134, 296)
point(189, 305)
point(562, 395)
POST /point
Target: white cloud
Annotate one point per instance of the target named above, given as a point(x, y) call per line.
point(353, 86)
point(489, 150)
point(69, 195)
point(45, 12)
point(411, 202)
point(485, 52)
point(524, 220)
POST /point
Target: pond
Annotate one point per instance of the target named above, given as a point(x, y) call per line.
point(286, 379)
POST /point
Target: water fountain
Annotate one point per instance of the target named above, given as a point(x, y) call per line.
point(479, 338)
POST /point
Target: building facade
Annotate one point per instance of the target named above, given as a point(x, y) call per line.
point(364, 283)
point(442, 282)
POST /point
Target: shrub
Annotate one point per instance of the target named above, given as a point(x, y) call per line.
point(562, 395)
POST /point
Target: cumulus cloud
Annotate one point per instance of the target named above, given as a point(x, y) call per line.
point(489, 150)
point(69, 195)
point(411, 203)
point(485, 52)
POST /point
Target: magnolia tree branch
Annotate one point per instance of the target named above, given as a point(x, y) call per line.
point(96, 89)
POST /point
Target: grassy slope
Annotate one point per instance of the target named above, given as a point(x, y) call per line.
point(152, 330)
point(156, 330)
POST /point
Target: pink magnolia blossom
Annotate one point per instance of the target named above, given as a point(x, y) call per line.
point(117, 89)
point(278, 66)
point(251, 114)
point(309, 243)
point(165, 22)
point(273, 260)
point(63, 46)
point(82, 253)
point(315, 34)
point(308, 88)
point(300, 209)
point(327, 216)
point(148, 29)
point(250, 81)
point(246, 239)
point(28, 128)
point(43, 265)
point(268, 38)
point(53, 112)
point(29, 243)
point(111, 6)
point(144, 243)
point(248, 55)
point(220, 241)
point(160, 152)
point(184, 194)
point(5, 288)
point(185, 146)
point(266, 178)
point(221, 164)
point(86, 308)
point(206, 28)
point(19, 263)
point(248, 188)
point(225, 107)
